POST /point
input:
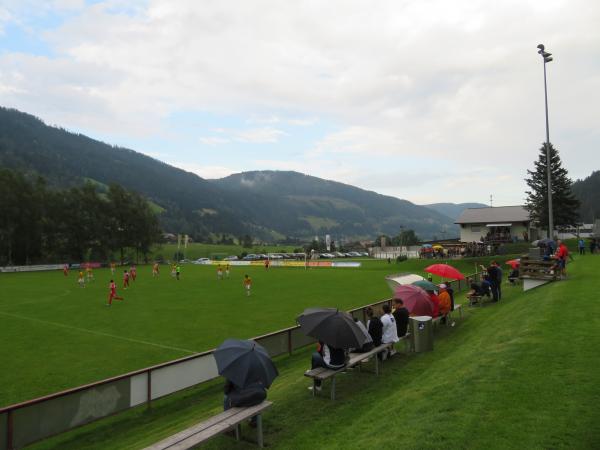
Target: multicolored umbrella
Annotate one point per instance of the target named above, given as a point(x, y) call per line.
point(445, 271)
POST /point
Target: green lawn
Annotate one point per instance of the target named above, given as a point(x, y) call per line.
point(61, 336)
point(521, 374)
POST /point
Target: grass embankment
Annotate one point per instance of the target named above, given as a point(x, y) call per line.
point(519, 374)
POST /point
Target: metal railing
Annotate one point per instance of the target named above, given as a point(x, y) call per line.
point(24, 423)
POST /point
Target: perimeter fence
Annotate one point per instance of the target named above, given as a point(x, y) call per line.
point(27, 422)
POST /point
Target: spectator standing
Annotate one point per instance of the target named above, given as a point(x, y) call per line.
point(581, 245)
point(562, 253)
point(592, 246)
point(493, 277)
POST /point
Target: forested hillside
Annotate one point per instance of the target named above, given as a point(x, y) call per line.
point(588, 193)
point(268, 205)
point(304, 202)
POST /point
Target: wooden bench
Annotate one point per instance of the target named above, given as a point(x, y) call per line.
point(457, 308)
point(324, 373)
point(201, 432)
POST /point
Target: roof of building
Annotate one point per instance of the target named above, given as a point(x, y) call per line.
point(497, 214)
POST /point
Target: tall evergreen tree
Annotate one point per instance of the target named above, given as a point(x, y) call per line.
point(564, 204)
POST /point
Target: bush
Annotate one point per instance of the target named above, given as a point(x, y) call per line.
point(401, 258)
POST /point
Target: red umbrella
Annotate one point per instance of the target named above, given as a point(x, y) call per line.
point(445, 271)
point(415, 299)
point(514, 263)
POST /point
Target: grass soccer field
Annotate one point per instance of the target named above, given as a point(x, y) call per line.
point(520, 374)
point(57, 335)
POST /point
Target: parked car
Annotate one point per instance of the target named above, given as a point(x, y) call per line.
point(276, 256)
point(327, 255)
point(230, 258)
point(250, 257)
point(201, 261)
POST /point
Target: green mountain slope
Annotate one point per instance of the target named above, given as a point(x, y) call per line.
point(268, 205)
point(312, 205)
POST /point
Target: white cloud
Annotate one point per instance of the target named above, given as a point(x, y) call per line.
point(435, 80)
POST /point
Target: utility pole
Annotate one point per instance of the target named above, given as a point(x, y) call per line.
point(547, 57)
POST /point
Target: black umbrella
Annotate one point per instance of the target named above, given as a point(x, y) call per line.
point(333, 327)
point(243, 362)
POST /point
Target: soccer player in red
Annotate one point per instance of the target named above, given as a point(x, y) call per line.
point(133, 272)
point(113, 293)
point(125, 279)
point(66, 270)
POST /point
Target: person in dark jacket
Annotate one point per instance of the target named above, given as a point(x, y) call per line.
point(401, 316)
point(374, 327)
point(329, 357)
point(494, 275)
point(254, 393)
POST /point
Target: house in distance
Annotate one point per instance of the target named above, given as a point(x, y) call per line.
point(496, 225)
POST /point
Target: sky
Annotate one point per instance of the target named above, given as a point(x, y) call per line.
point(425, 100)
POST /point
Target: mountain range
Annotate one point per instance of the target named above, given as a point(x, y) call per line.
point(269, 205)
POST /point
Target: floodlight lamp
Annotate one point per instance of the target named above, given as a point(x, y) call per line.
point(548, 59)
point(546, 54)
point(541, 47)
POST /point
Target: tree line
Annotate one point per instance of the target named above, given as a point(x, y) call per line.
point(42, 224)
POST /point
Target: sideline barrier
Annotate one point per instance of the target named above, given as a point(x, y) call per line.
point(24, 423)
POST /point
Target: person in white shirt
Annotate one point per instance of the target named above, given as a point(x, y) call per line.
point(390, 331)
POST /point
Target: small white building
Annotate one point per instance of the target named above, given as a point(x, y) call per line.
point(496, 224)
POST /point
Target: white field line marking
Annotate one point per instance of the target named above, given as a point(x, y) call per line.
point(46, 299)
point(99, 333)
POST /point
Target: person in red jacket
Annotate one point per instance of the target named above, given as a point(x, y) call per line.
point(436, 303)
point(562, 253)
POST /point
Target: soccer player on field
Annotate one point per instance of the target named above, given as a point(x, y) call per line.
point(89, 273)
point(155, 270)
point(81, 279)
point(219, 272)
point(227, 271)
point(177, 271)
point(113, 293)
point(125, 279)
point(113, 266)
point(66, 270)
point(133, 272)
point(247, 284)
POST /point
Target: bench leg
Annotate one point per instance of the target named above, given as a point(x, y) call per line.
point(314, 389)
point(333, 388)
point(377, 364)
point(238, 432)
point(259, 431)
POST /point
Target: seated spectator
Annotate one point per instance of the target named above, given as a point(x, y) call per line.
point(374, 327)
point(389, 332)
point(445, 303)
point(329, 357)
point(252, 394)
point(436, 303)
point(513, 276)
point(486, 286)
point(400, 313)
point(368, 345)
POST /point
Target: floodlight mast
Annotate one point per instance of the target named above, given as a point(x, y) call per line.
point(547, 57)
